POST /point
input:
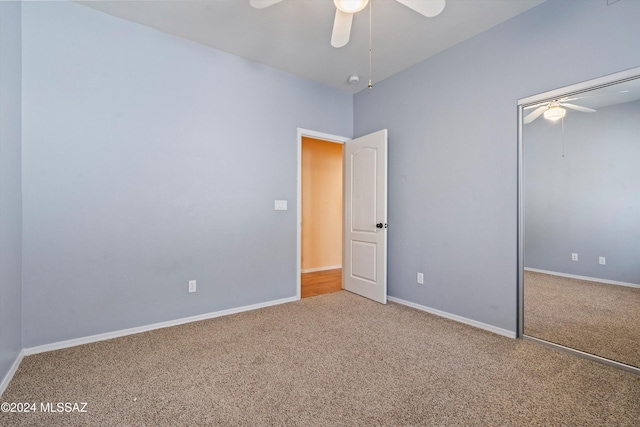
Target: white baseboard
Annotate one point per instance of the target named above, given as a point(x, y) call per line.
point(123, 332)
point(590, 279)
point(313, 270)
point(7, 378)
point(485, 326)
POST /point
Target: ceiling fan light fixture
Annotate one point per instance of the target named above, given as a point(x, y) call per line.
point(554, 113)
point(351, 6)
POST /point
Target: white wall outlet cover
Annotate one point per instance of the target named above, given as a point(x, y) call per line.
point(192, 286)
point(602, 260)
point(574, 257)
point(281, 205)
point(420, 278)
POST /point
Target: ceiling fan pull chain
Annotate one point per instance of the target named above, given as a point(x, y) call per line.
point(562, 137)
point(370, 8)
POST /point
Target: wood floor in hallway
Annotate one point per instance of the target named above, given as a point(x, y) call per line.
point(321, 282)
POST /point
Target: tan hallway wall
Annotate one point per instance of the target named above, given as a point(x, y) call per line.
point(321, 204)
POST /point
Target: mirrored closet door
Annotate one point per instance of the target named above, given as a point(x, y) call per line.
point(579, 219)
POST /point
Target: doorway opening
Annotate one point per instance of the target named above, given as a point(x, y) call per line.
point(321, 254)
point(320, 213)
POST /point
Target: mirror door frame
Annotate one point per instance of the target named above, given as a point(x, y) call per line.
point(578, 88)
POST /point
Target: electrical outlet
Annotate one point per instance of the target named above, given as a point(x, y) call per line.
point(602, 260)
point(192, 286)
point(420, 279)
point(574, 257)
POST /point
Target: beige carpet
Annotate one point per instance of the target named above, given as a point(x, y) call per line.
point(332, 360)
point(593, 317)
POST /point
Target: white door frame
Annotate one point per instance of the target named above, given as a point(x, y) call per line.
point(316, 135)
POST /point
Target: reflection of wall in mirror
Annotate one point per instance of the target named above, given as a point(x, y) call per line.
point(587, 202)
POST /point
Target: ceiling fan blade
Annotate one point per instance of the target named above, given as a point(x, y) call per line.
point(341, 28)
point(578, 107)
point(261, 4)
point(534, 114)
point(428, 8)
point(535, 105)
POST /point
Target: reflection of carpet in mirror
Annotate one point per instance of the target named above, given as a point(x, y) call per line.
point(593, 317)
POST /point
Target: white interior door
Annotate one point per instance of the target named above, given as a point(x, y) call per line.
point(365, 216)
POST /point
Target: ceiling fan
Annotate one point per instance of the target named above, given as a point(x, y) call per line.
point(554, 110)
point(346, 8)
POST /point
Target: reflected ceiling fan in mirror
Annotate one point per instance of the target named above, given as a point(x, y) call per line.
point(346, 8)
point(554, 110)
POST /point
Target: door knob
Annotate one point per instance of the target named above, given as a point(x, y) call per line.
point(381, 225)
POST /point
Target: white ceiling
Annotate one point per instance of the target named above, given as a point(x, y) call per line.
point(294, 35)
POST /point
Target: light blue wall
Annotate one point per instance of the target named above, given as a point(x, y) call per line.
point(588, 201)
point(149, 161)
point(10, 188)
point(452, 123)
